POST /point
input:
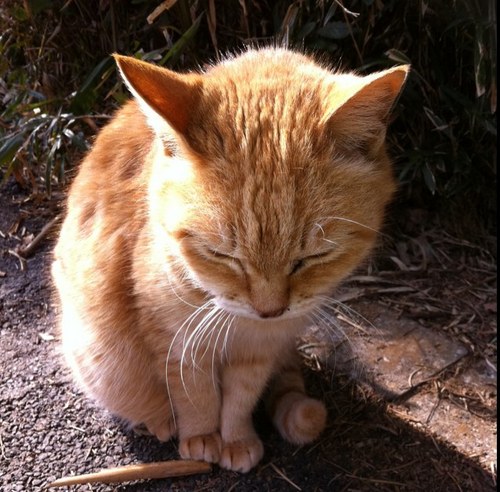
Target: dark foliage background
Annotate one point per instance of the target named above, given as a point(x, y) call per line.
point(58, 84)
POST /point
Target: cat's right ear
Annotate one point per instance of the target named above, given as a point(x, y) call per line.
point(163, 95)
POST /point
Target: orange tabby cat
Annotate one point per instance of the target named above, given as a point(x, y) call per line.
point(213, 217)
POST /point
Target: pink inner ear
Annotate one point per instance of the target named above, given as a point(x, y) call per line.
point(171, 95)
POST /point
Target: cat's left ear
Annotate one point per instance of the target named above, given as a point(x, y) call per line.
point(360, 120)
point(164, 96)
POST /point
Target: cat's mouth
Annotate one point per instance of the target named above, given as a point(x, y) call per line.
point(279, 313)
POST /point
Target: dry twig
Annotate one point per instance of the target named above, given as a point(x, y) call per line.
point(160, 469)
point(28, 250)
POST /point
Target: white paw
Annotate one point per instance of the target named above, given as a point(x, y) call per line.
point(206, 447)
point(242, 455)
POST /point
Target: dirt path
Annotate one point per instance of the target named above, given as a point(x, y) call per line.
point(437, 434)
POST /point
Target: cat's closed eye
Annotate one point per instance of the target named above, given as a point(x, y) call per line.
point(217, 254)
point(305, 261)
point(223, 257)
point(297, 265)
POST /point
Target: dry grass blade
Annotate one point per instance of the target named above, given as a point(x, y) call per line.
point(284, 477)
point(160, 469)
point(166, 5)
point(28, 250)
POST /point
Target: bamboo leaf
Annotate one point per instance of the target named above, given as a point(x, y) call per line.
point(429, 178)
point(9, 148)
point(174, 53)
point(85, 97)
point(334, 30)
point(397, 56)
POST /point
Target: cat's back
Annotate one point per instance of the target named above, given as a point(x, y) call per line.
point(105, 206)
point(117, 162)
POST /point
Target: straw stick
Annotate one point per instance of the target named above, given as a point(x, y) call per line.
point(160, 469)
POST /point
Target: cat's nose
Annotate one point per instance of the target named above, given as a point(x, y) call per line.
point(272, 314)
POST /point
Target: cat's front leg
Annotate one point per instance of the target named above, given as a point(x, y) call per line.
point(242, 384)
point(194, 392)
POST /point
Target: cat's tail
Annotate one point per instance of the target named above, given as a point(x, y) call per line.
point(299, 418)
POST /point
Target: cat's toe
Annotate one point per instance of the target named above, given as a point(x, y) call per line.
point(241, 456)
point(205, 447)
point(300, 419)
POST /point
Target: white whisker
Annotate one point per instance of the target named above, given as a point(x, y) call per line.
point(330, 313)
point(203, 325)
point(339, 334)
point(172, 288)
point(335, 243)
point(188, 321)
point(352, 221)
point(205, 337)
point(224, 343)
point(320, 227)
point(199, 333)
point(342, 308)
point(215, 349)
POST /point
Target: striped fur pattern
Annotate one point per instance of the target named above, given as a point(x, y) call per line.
point(206, 229)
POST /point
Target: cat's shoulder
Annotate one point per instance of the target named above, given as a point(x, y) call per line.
point(120, 150)
point(126, 133)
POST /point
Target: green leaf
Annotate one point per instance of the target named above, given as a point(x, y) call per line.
point(429, 178)
point(324, 44)
point(489, 127)
point(330, 13)
point(37, 6)
point(10, 148)
point(306, 30)
point(19, 13)
point(438, 123)
point(174, 53)
point(334, 30)
point(85, 97)
point(397, 56)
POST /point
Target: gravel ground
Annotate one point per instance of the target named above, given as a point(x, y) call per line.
point(49, 429)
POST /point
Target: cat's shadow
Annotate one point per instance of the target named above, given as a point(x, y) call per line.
point(363, 448)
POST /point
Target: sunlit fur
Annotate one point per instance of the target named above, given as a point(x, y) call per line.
point(211, 221)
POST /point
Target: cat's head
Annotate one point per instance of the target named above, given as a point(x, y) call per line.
point(271, 175)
